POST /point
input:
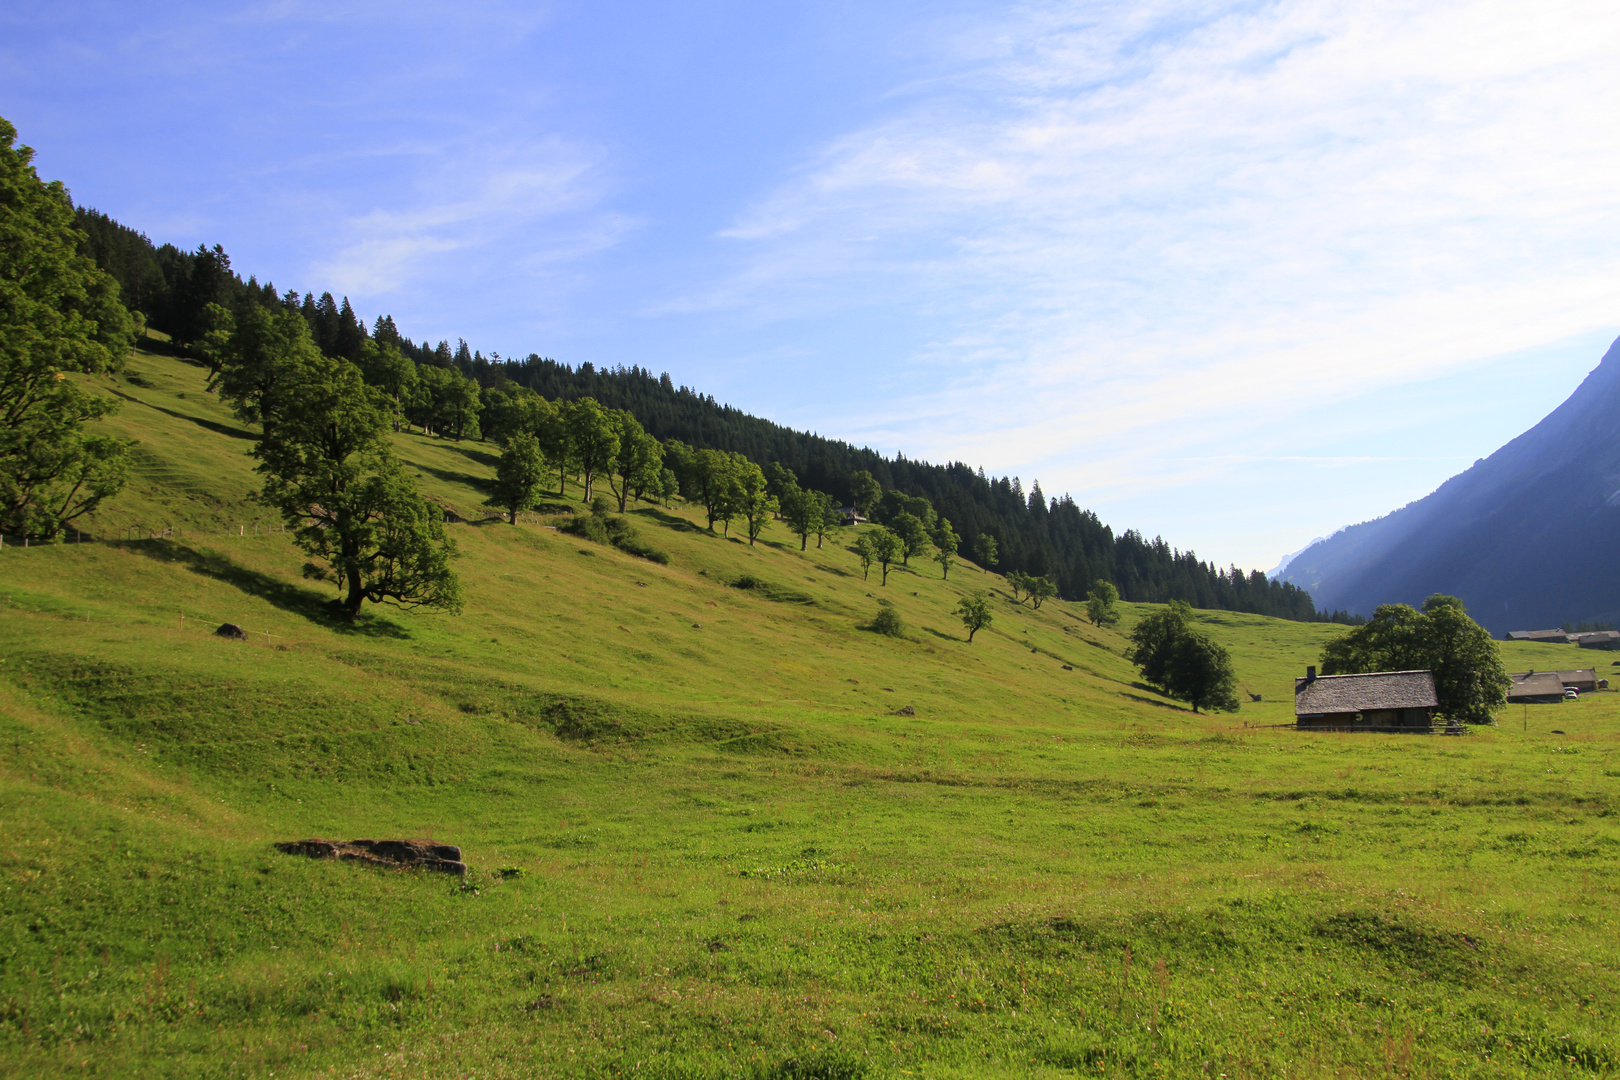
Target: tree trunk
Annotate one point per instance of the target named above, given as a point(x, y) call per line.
point(357, 595)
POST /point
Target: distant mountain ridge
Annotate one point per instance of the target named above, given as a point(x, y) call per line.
point(1528, 537)
point(1276, 572)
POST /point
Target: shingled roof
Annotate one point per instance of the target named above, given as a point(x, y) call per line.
point(1327, 694)
point(1534, 684)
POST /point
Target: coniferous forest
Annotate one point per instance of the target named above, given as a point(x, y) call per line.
point(1034, 534)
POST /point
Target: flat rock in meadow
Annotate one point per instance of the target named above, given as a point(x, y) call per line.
point(421, 854)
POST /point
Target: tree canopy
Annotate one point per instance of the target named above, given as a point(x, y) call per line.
point(984, 551)
point(1182, 661)
point(639, 461)
point(518, 475)
point(58, 314)
point(945, 544)
point(327, 467)
point(1101, 604)
point(885, 547)
point(1470, 679)
point(975, 612)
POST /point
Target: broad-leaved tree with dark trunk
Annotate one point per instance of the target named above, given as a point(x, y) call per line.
point(1470, 680)
point(975, 612)
point(945, 544)
point(329, 470)
point(518, 475)
point(59, 314)
point(593, 440)
point(1183, 662)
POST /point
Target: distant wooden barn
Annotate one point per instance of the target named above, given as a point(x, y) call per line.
point(1542, 683)
point(1550, 637)
point(1601, 639)
point(1536, 688)
point(1376, 701)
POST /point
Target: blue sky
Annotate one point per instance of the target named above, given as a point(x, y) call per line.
point(1233, 273)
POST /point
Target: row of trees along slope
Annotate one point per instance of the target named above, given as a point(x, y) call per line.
point(196, 297)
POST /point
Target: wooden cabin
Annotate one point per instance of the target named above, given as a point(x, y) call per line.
point(1535, 688)
point(1549, 637)
point(1376, 701)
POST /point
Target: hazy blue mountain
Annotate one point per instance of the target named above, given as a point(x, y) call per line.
point(1282, 567)
point(1528, 537)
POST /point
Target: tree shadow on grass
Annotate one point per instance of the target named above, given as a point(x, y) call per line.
point(941, 636)
point(306, 603)
point(473, 453)
point(228, 430)
point(1152, 701)
point(449, 476)
point(671, 521)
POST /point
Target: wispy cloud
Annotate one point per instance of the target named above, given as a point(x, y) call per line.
point(1151, 219)
point(471, 200)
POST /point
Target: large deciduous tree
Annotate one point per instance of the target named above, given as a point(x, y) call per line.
point(518, 475)
point(1201, 674)
point(984, 551)
point(390, 371)
point(1041, 589)
point(913, 534)
point(975, 612)
point(828, 516)
point(267, 351)
point(1470, 679)
point(1153, 638)
point(864, 491)
point(886, 547)
point(709, 476)
point(212, 345)
point(800, 508)
point(638, 461)
point(328, 468)
point(754, 501)
point(1018, 581)
point(1183, 662)
point(866, 552)
point(59, 314)
point(593, 440)
point(445, 402)
point(1101, 604)
point(945, 543)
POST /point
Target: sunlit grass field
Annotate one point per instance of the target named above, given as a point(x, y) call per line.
point(705, 843)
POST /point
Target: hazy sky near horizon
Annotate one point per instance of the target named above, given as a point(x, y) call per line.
point(1233, 273)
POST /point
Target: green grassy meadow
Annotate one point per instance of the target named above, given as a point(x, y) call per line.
point(703, 841)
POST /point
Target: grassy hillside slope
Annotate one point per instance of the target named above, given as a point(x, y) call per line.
point(704, 843)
